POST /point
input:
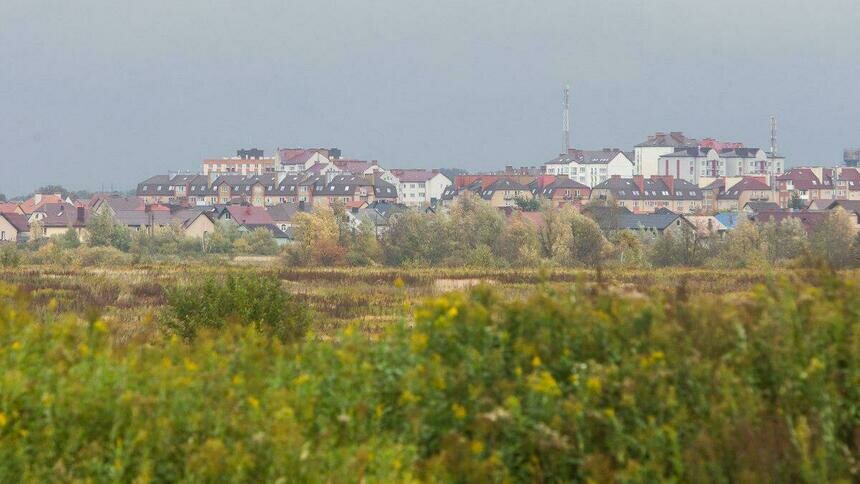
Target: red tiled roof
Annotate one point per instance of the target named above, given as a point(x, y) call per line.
point(8, 207)
point(244, 214)
point(31, 205)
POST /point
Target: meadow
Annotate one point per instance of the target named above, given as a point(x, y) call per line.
point(442, 375)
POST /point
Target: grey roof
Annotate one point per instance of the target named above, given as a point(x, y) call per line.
point(451, 191)
point(746, 183)
point(562, 183)
point(340, 185)
point(273, 229)
point(693, 151)
point(62, 215)
point(284, 212)
point(849, 205)
point(383, 189)
point(589, 157)
point(739, 152)
point(139, 218)
point(387, 209)
point(758, 206)
point(672, 139)
point(156, 185)
point(652, 189)
point(646, 221)
point(503, 184)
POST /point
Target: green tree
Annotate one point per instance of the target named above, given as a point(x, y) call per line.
point(69, 240)
point(317, 237)
point(528, 204)
point(416, 238)
point(587, 245)
point(473, 223)
point(518, 244)
point(225, 234)
point(258, 242)
point(103, 230)
point(796, 202)
point(833, 239)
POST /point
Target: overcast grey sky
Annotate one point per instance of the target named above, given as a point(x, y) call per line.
point(109, 92)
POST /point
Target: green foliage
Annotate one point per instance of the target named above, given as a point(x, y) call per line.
point(796, 202)
point(225, 235)
point(10, 256)
point(566, 385)
point(104, 231)
point(416, 238)
point(528, 204)
point(257, 242)
point(247, 299)
point(833, 239)
point(69, 240)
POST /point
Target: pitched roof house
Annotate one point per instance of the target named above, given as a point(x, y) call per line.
point(504, 193)
point(591, 167)
point(644, 195)
point(564, 191)
point(13, 227)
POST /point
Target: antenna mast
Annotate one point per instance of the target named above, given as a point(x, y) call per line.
point(565, 121)
point(773, 158)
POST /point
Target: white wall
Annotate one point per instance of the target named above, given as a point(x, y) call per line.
point(646, 157)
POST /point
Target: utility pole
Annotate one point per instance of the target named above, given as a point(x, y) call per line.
point(565, 121)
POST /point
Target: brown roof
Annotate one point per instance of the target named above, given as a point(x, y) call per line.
point(17, 220)
point(64, 215)
point(244, 214)
point(808, 219)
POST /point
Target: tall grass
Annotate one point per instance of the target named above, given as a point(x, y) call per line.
point(570, 383)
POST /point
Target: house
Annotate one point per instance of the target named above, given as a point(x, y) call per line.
point(750, 161)
point(453, 192)
point(691, 164)
point(283, 214)
point(504, 193)
point(734, 198)
point(646, 155)
point(156, 189)
point(342, 189)
point(730, 219)
point(707, 225)
point(138, 220)
point(847, 183)
point(199, 223)
point(383, 190)
point(298, 160)
point(57, 218)
point(564, 191)
point(755, 207)
point(13, 227)
point(114, 204)
point(246, 214)
point(809, 220)
point(644, 195)
point(281, 237)
point(850, 206)
point(39, 200)
point(420, 187)
point(806, 184)
point(246, 162)
point(591, 167)
point(653, 223)
point(378, 213)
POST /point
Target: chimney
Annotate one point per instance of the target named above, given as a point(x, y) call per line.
point(669, 181)
point(639, 181)
point(81, 215)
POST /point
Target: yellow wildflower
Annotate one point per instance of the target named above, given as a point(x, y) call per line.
point(459, 411)
point(408, 397)
point(83, 349)
point(452, 313)
point(594, 385)
point(477, 447)
point(609, 413)
point(418, 341)
point(543, 382)
point(536, 361)
point(302, 379)
point(52, 304)
point(16, 346)
point(191, 366)
point(398, 283)
point(253, 402)
point(238, 380)
point(3, 420)
point(100, 326)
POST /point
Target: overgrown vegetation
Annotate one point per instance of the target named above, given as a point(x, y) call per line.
point(244, 298)
point(569, 384)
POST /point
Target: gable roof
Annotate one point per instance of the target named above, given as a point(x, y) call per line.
point(849, 205)
point(562, 183)
point(646, 221)
point(589, 157)
point(651, 189)
point(808, 219)
point(31, 205)
point(63, 215)
point(247, 214)
point(758, 206)
point(285, 212)
point(690, 151)
point(16, 220)
point(503, 184)
point(739, 152)
point(746, 183)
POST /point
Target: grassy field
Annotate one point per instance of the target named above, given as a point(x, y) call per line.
point(534, 376)
point(129, 297)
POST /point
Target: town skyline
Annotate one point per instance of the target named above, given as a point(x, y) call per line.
point(128, 90)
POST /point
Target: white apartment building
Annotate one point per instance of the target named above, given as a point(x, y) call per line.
point(646, 155)
point(419, 187)
point(591, 167)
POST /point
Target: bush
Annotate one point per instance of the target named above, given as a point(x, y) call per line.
point(101, 257)
point(246, 299)
point(9, 255)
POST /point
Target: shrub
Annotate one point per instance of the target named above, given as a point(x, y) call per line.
point(9, 255)
point(247, 299)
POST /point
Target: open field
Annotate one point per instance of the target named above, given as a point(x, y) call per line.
point(128, 297)
point(562, 376)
